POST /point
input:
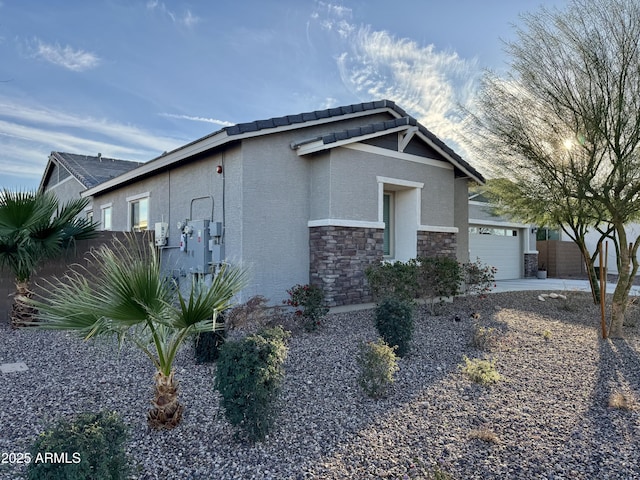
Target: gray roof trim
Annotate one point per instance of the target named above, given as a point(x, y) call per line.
point(278, 124)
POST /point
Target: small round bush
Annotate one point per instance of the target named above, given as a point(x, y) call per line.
point(249, 376)
point(207, 345)
point(90, 447)
point(394, 322)
point(378, 363)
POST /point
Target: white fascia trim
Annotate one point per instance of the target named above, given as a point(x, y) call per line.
point(215, 140)
point(399, 181)
point(338, 222)
point(493, 223)
point(437, 229)
point(319, 145)
point(65, 180)
point(399, 155)
point(139, 196)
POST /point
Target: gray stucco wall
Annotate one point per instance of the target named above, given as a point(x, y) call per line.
point(354, 187)
point(461, 212)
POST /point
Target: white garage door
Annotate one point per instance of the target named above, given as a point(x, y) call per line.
point(499, 248)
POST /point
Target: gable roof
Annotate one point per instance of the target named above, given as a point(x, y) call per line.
point(89, 171)
point(290, 122)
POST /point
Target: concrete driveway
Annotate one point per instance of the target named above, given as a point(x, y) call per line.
point(551, 284)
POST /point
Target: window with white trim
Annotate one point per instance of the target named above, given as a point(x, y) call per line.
point(387, 218)
point(139, 214)
point(105, 216)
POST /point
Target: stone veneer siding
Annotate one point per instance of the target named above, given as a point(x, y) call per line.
point(437, 244)
point(530, 265)
point(338, 257)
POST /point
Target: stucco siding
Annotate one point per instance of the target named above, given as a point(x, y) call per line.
point(275, 205)
point(354, 193)
point(461, 213)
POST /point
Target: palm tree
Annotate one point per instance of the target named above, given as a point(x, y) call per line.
point(35, 228)
point(123, 291)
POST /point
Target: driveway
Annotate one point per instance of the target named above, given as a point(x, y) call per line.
point(552, 284)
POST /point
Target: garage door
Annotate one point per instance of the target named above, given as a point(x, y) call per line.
point(499, 248)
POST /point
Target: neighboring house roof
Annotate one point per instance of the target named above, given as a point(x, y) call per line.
point(240, 131)
point(89, 171)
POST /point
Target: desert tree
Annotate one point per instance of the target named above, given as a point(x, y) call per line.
point(563, 126)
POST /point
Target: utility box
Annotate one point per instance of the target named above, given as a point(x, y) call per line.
point(162, 231)
point(198, 254)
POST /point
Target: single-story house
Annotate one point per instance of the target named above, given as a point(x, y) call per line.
point(498, 241)
point(308, 198)
point(68, 174)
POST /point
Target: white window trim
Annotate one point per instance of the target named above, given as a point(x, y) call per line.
point(103, 207)
point(137, 198)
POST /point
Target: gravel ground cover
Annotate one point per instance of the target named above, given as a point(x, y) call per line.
point(549, 418)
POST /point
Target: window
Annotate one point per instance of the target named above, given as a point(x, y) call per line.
point(106, 217)
point(139, 214)
point(387, 218)
point(90, 215)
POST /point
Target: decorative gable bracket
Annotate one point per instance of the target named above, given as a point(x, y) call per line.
point(405, 137)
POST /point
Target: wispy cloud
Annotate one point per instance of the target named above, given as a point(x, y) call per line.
point(187, 18)
point(429, 83)
point(29, 133)
point(67, 57)
point(222, 123)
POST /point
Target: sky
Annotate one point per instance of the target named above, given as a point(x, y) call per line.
point(131, 79)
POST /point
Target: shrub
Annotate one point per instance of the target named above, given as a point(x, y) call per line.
point(208, 344)
point(394, 322)
point(439, 276)
point(311, 299)
point(93, 446)
point(251, 316)
point(481, 371)
point(378, 363)
point(485, 338)
point(394, 279)
point(478, 278)
point(423, 277)
point(249, 376)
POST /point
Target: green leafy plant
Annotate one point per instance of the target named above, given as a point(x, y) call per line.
point(207, 345)
point(481, 371)
point(394, 279)
point(125, 293)
point(478, 278)
point(249, 376)
point(90, 447)
point(394, 322)
point(34, 227)
point(439, 276)
point(308, 300)
point(422, 277)
point(546, 334)
point(378, 364)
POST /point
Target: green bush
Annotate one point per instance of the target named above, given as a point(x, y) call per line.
point(422, 277)
point(378, 363)
point(478, 277)
point(481, 371)
point(249, 376)
point(394, 279)
point(394, 322)
point(208, 344)
point(311, 299)
point(92, 445)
